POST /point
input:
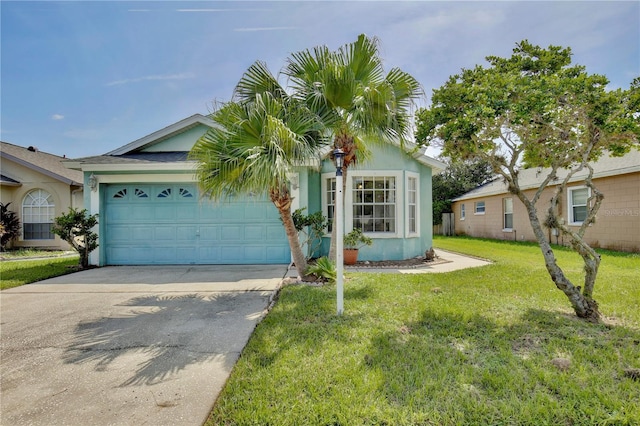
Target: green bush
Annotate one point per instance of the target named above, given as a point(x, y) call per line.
point(9, 225)
point(75, 228)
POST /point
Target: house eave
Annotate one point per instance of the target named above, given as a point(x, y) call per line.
point(182, 166)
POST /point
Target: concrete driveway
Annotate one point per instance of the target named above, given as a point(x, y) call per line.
point(127, 345)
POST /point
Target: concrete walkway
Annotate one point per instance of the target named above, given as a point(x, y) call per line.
point(127, 345)
point(452, 262)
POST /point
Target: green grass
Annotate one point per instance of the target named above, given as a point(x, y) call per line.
point(20, 272)
point(472, 347)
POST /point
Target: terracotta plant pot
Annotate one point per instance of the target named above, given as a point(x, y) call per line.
point(350, 256)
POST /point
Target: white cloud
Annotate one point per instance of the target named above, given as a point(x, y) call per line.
point(181, 76)
point(57, 117)
point(265, 29)
point(221, 10)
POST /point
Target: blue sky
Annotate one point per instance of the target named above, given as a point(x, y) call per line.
point(84, 78)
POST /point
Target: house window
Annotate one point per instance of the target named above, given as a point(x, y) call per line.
point(507, 209)
point(462, 211)
point(578, 199)
point(479, 207)
point(38, 211)
point(331, 202)
point(374, 203)
point(412, 213)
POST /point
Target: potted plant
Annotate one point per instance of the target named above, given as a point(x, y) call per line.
point(353, 241)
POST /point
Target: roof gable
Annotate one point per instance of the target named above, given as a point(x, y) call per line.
point(179, 136)
point(41, 162)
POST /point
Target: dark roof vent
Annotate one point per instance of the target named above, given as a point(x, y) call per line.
point(33, 149)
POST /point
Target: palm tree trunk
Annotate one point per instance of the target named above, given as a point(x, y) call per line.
point(282, 200)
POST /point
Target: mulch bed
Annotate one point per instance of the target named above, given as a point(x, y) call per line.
point(416, 262)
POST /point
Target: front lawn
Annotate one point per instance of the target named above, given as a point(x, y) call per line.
point(493, 345)
point(19, 272)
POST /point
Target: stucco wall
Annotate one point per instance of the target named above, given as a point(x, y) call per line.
point(63, 197)
point(617, 226)
point(388, 158)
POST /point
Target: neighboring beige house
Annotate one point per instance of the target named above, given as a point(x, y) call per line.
point(490, 211)
point(39, 188)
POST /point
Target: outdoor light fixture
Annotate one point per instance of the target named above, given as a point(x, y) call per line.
point(93, 182)
point(338, 156)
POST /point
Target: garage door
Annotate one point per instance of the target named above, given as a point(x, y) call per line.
point(169, 224)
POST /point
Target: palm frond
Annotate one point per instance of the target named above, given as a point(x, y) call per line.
point(257, 80)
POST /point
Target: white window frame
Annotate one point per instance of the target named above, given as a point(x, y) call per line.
point(570, 217)
point(462, 211)
point(407, 231)
point(505, 213)
point(475, 207)
point(348, 213)
point(326, 203)
point(44, 212)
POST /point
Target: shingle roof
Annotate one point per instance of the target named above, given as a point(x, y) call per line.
point(48, 164)
point(135, 158)
point(532, 178)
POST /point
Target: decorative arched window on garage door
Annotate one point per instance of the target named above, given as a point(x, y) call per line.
point(38, 212)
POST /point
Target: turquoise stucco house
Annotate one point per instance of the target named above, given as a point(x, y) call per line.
point(151, 212)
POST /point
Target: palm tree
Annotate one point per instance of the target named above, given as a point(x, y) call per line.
point(354, 99)
point(261, 135)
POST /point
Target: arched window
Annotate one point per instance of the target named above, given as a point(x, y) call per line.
point(38, 211)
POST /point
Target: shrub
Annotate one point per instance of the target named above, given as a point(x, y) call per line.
point(75, 228)
point(9, 225)
point(323, 268)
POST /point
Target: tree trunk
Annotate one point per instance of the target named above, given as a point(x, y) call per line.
point(282, 201)
point(584, 307)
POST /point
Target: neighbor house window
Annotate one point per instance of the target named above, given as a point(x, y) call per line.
point(38, 211)
point(578, 198)
point(507, 209)
point(479, 207)
point(412, 213)
point(374, 203)
point(462, 212)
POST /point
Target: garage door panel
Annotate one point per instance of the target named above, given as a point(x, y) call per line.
point(186, 213)
point(119, 233)
point(164, 233)
point(138, 213)
point(208, 212)
point(209, 234)
point(275, 254)
point(141, 234)
point(164, 254)
point(164, 212)
point(186, 233)
point(117, 214)
point(275, 232)
point(170, 224)
point(186, 255)
point(231, 233)
point(232, 254)
point(254, 232)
